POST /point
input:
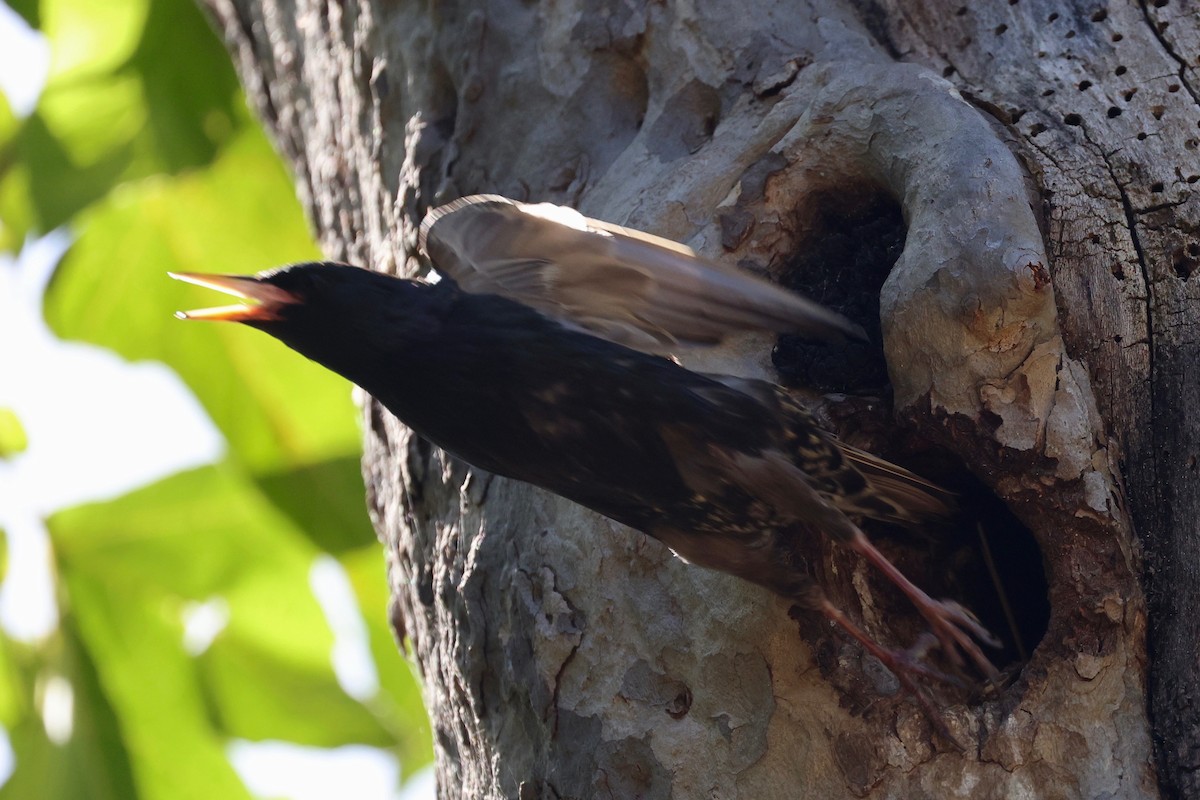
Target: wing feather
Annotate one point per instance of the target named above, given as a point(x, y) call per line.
point(631, 287)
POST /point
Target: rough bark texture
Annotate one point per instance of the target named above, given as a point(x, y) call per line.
point(565, 656)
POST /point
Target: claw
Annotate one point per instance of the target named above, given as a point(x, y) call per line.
point(955, 627)
point(903, 664)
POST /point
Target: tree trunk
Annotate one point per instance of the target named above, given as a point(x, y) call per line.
point(1040, 326)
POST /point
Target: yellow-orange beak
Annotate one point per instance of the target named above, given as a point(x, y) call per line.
point(264, 300)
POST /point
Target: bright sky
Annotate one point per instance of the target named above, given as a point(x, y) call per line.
point(140, 424)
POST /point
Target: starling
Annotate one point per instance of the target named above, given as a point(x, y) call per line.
point(728, 472)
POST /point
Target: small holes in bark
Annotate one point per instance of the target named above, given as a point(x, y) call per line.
point(1192, 144)
point(1156, 187)
point(1174, 87)
point(1141, 137)
point(1000, 29)
point(1052, 17)
point(1037, 128)
point(1073, 119)
point(1047, 93)
point(1158, 111)
point(1070, 35)
point(1100, 15)
point(1116, 37)
point(1192, 178)
point(961, 12)
point(1085, 85)
point(1129, 93)
point(1120, 70)
point(947, 72)
point(680, 705)
point(1113, 112)
point(1186, 260)
point(1160, 3)
point(1162, 26)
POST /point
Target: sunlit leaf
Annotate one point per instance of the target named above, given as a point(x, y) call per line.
point(16, 207)
point(87, 37)
point(199, 535)
point(93, 764)
point(49, 187)
point(399, 703)
point(12, 434)
point(136, 89)
point(133, 635)
point(142, 145)
point(8, 125)
point(276, 409)
point(94, 119)
point(15, 683)
point(191, 93)
point(326, 501)
point(28, 9)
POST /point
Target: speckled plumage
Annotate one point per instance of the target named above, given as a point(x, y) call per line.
point(730, 473)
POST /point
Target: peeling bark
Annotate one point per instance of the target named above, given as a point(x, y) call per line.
point(1040, 325)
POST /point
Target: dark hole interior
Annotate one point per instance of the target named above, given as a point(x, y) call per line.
point(985, 558)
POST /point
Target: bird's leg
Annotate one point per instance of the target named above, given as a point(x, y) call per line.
point(953, 625)
point(901, 664)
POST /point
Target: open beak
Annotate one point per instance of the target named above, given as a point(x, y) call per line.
point(263, 301)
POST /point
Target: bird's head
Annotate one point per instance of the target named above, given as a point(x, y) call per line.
point(336, 314)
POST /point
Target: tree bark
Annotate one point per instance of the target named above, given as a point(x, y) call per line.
point(1041, 325)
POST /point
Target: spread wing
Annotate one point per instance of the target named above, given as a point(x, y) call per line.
point(623, 285)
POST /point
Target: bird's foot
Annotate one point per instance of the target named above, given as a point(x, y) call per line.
point(957, 629)
point(906, 665)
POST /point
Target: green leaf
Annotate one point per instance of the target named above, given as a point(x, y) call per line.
point(326, 501)
point(93, 764)
point(8, 127)
point(16, 684)
point(399, 703)
point(28, 9)
point(133, 635)
point(196, 536)
point(46, 187)
point(192, 95)
point(90, 38)
point(276, 409)
point(12, 434)
point(136, 89)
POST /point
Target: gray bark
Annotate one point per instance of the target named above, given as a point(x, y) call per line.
point(565, 656)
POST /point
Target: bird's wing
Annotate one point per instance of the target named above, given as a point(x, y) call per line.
point(624, 285)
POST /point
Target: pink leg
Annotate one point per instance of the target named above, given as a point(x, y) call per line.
point(902, 665)
point(955, 627)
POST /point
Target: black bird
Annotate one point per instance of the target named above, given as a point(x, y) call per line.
point(728, 472)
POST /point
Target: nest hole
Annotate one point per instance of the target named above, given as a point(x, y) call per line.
point(984, 558)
